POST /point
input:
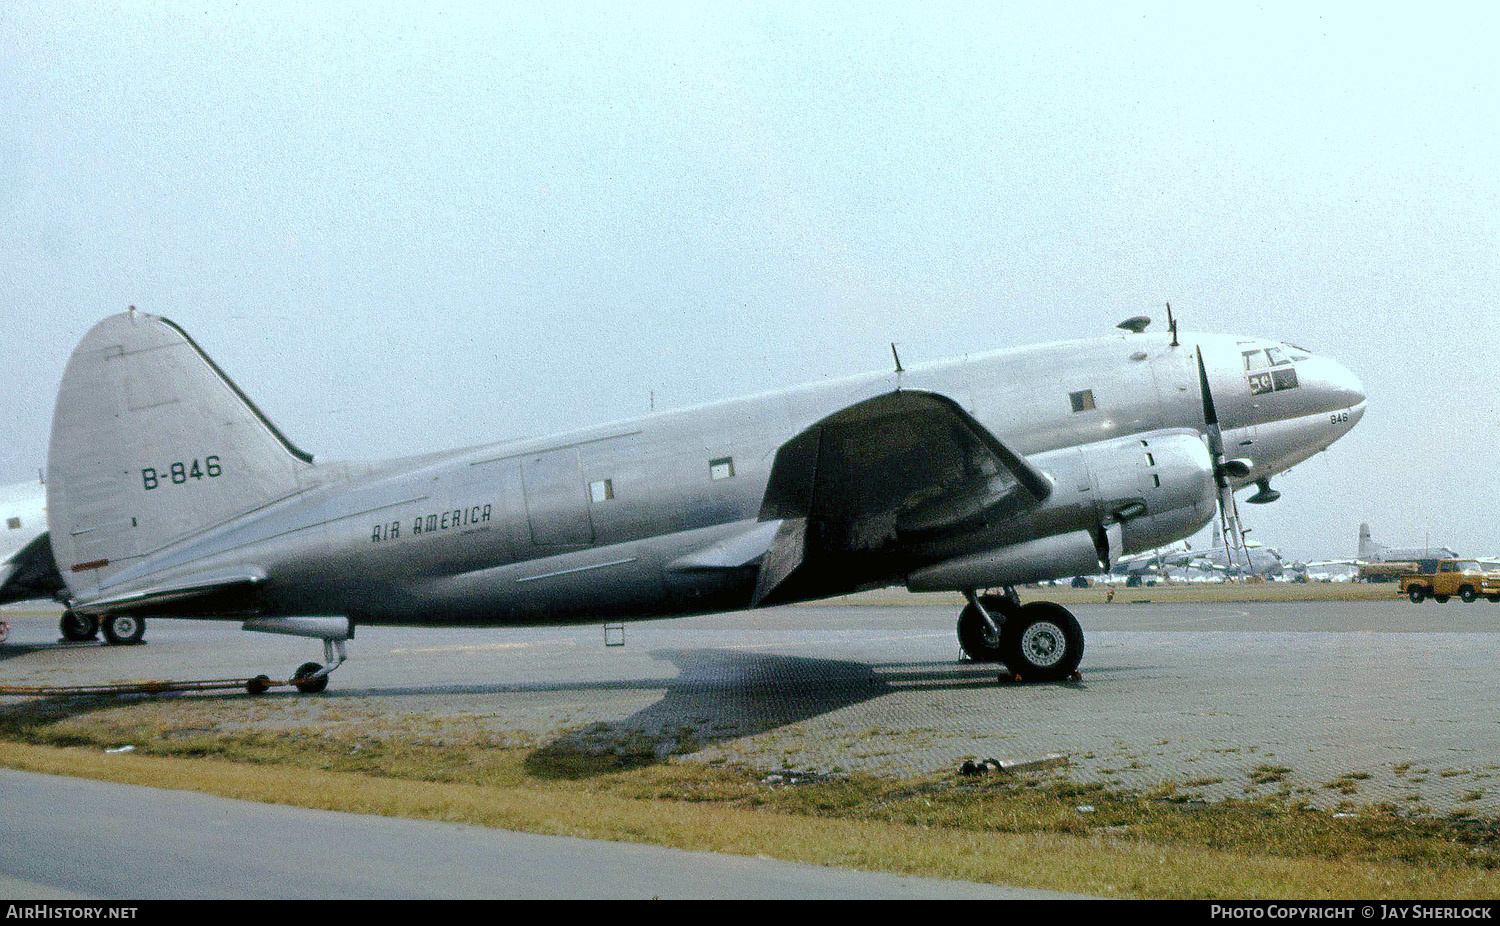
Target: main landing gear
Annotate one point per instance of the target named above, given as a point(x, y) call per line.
point(76, 628)
point(119, 629)
point(1038, 642)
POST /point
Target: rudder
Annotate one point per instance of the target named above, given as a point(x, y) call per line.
point(152, 442)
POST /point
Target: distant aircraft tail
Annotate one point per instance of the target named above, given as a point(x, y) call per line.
point(152, 443)
point(1369, 550)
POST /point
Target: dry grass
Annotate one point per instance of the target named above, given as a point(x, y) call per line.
point(1022, 831)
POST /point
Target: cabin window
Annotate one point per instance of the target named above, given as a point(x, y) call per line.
point(1082, 401)
point(1255, 360)
point(722, 468)
point(1276, 356)
point(1284, 378)
point(13, 524)
point(602, 490)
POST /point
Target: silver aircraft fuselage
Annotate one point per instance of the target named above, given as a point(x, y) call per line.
point(669, 513)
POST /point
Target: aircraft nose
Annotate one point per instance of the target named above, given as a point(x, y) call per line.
point(1335, 387)
point(1344, 386)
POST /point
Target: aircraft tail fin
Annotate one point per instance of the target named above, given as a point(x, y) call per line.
point(152, 443)
point(1368, 548)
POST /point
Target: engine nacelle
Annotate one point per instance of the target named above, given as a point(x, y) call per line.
point(1159, 489)
point(1112, 497)
point(1071, 554)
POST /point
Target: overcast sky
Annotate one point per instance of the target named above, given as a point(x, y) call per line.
point(416, 227)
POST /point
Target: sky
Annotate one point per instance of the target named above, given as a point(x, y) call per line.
point(410, 227)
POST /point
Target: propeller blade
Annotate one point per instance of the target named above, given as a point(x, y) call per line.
point(1211, 420)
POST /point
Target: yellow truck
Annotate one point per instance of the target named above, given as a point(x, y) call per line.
point(1461, 577)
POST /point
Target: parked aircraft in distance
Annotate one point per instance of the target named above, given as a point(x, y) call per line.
point(1254, 558)
point(1372, 552)
point(1251, 558)
point(169, 492)
point(1379, 563)
point(1137, 566)
point(26, 567)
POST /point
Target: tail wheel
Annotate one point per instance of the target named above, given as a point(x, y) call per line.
point(304, 680)
point(1043, 643)
point(124, 629)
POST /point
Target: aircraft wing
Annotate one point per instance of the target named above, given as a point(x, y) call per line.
point(903, 468)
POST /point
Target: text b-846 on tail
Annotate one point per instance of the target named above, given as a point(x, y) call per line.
point(180, 473)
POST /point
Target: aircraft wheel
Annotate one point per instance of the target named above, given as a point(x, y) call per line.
point(312, 685)
point(258, 685)
point(1441, 599)
point(124, 629)
point(1468, 594)
point(1416, 594)
point(78, 627)
point(1043, 643)
point(975, 637)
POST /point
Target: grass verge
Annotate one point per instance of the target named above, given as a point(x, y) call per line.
point(1020, 830)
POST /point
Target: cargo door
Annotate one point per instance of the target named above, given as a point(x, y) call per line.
point(557, 500)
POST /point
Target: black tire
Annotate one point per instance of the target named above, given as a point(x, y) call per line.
point(312, 685)
point(124, 629)
point(78, 627)
point(1416, 594)
point(1043, 643)
point(1468, 594)
point(258, 685)
point(1494, 598)
point(975, 637)
point(1441, 599)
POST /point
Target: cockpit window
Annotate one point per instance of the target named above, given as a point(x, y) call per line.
point(1271, 368)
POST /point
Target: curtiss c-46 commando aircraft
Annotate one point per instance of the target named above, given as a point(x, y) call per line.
point(170, 493)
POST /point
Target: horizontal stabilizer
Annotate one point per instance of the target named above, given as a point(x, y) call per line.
point(30, 572)
point(174, 590)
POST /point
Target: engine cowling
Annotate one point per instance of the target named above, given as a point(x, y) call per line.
point(1159, 489)
point(1113, 497)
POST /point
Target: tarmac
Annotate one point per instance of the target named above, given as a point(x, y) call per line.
point(1332, 703)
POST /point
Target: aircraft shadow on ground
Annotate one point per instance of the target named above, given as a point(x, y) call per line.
point(722, 695)
point(718, 695)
